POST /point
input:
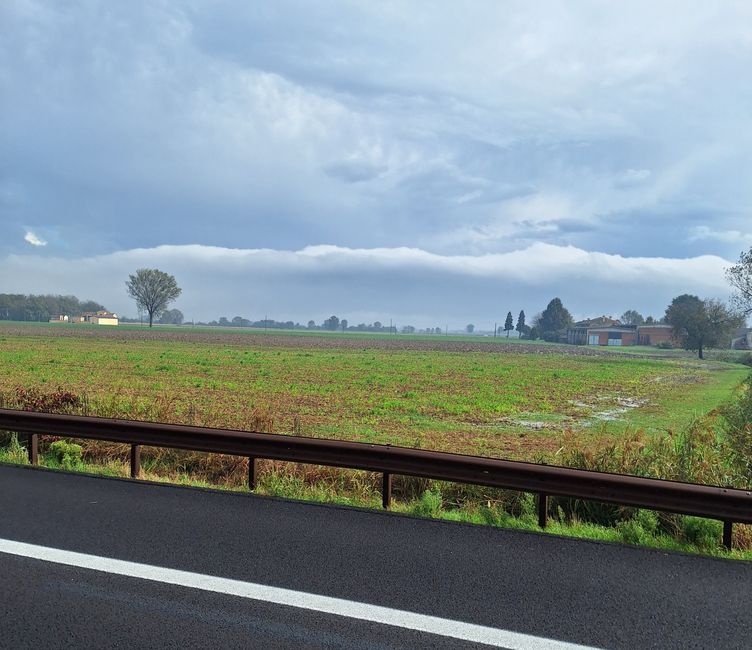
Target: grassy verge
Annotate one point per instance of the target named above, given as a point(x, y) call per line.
point(694, 535)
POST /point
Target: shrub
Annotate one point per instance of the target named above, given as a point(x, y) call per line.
point(640, 529)
point(705, 533)
point(429, 505)
point(737, 417)
point(734, 356)
point(68, 454)
point(648, 519)
point(632, 533)
point(59, 401)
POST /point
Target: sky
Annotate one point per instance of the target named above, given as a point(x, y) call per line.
point(432, 162)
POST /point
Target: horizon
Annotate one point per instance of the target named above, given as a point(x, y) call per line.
point(362, 160)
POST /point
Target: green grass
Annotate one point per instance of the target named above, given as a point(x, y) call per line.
point(510, 404)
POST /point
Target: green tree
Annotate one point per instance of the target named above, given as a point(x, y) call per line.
point(521, 327)
point(508, 323)
point(343, 324)
point(153, 291)
point(172, 317)
point(20, 307)
point(331, 323)
point(554, 320)
point(470, 328)
point(632, 317)
point(700, 324)
point(739, 276)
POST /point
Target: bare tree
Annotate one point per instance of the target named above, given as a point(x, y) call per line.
point(153, 291)
point(740, 277)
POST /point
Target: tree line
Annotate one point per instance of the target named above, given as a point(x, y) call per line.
point(696, 323)
point(19, 307)
point(331, 324)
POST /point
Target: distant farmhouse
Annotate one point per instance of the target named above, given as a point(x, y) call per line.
point(61, 318)
point(610, 331)
point(97, 318)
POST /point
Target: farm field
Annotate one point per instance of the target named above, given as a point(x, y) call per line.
point(636, 411)
point(494, 398)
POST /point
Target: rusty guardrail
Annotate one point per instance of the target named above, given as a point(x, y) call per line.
point(726, 504)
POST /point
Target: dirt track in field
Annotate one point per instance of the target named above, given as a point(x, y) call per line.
point(324, 341)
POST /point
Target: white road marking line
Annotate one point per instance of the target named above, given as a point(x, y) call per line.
point(337, 606)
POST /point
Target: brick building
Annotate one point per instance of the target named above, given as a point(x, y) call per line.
point(655, 335)
point(609, 331)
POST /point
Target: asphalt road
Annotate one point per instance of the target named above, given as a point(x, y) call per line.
point(548, 588)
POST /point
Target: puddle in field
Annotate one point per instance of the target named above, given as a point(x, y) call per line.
point(679, 379)
point(528, 424)
point(613, 414)
point(554, 421)
point(605, 408)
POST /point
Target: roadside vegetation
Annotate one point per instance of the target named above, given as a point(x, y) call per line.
point(666, 416)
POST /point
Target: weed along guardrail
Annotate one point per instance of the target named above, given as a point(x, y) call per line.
point(726, 504)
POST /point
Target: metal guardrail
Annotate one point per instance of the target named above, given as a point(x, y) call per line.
point(726, 504)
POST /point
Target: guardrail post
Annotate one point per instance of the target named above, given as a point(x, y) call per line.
point(252, 472)
point(32, 446)
point(542, 509)
point(386, 490)
point(135, 461)
point(728, 529)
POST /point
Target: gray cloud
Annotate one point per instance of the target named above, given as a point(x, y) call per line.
point(457, 130)
point(355, 171)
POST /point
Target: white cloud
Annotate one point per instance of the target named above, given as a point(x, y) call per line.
point(703, 233)
point(409, 284)
point(33, 239)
